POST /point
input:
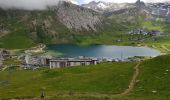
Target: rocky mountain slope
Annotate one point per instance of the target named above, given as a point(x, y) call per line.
point(69, 23)
point(76, 17)
point(103, 6)
point(57, 24)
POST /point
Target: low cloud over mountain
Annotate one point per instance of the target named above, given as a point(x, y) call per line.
point(27, 4)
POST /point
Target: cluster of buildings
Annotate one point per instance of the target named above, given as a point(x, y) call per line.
point(4, 54)
point(36, 61)
point(33, 61)
point(69, 62)
point(140, 31)
point(29, 61)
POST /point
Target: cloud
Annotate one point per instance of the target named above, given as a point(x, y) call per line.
point(75, 2)
point(42, 4)
point(157, 0)
point(119, 1)
point(27, 4)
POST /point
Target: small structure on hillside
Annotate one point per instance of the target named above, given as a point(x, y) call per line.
point(140, 31)
point(1, 61)
point(4, 54)
point(35, 61)
point(68, 62)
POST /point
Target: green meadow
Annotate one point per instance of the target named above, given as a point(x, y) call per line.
point(100, 82)
point(110, 78)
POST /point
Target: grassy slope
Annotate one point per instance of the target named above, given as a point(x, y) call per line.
point(123, 23)
point(154, 76)
point(22, 33)
point(114, 28)
point(160, 41)
point(19, 36)
point(18, 39)
point(104, 78)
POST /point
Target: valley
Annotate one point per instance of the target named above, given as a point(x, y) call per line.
point(57, 26)
point(81, 82)
point(94, 51)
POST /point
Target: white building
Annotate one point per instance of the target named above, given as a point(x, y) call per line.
point(60, 63)
point(36, 61)
point(1, 59)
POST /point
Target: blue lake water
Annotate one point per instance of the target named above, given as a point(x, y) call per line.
point(100, 51)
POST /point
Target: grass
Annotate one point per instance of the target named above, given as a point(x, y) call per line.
point(154, 76)
point(108, 78)
point(11, 61)
point(23, 35)
point(17, 40)
point(153, 25)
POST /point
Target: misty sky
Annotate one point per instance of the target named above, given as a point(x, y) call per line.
point(117, 1)
point(27, 4)
point(42, 4)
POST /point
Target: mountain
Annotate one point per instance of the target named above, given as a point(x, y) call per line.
point(57, 24)
point(162, 9)
point(97, 6)
point(96, 22)
point(140, 4)
point(103, 6)
point(77, 17)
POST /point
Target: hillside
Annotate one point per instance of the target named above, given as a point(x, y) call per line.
point(81, 82)
point(65, 23)
point(153, 82)
point(57, 24)
point(70, 23)
point(112, 78)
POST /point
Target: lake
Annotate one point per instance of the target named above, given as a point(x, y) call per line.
point(100, 51)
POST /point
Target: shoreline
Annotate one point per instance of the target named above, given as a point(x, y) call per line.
point(42, 48)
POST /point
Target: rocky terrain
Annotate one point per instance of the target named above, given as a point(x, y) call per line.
point(78, 18)
point(70, 23)
point(50, 25)
point(107, 7)
point(162, 9)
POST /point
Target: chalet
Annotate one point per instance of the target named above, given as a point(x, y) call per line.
point(4, 54)
point(60, 63)
point(31, 61)
point(1, 56)
point(154, 33)
point(140, 31)
point(1, 60)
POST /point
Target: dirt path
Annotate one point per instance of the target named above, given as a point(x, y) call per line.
point(165, 48)
point(124, 93)
point(132, 82)
point(4, 33)
point(3, 69)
